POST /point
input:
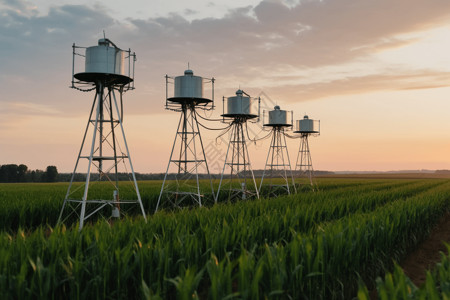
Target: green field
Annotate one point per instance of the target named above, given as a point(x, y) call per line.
point(330, 244)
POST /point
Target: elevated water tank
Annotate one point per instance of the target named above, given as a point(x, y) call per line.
point(104, 62)
point(188, 86)
point(278, 117)
point(307, 125)
point(239, 105)
point(105, 59)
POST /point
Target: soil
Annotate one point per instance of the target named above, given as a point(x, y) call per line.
point(427, 254)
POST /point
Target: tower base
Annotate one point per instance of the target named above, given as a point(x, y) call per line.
point(304, 171)
point(277, 173)
point(241, 183)
point(189, 181)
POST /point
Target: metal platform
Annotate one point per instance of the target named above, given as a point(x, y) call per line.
point(107, 78)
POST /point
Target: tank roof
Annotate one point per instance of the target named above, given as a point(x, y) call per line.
point(188, 72)
point(103, 42)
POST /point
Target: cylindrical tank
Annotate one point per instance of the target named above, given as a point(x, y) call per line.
point(188, 86)
point(306, 125)
point(104, 59)
point(277, 116)
point(239, 104)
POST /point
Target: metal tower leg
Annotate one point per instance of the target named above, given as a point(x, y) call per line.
point(290, 169)
point(190, 161)
point(78, 160)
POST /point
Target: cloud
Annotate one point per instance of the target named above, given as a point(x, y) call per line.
point(247, 44)
point(359, 85)
point(19, 6)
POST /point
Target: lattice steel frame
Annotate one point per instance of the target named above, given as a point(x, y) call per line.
point(304, 165)
point(238, 161)
point(190, 158)
point(277, 166)
point(104, 119)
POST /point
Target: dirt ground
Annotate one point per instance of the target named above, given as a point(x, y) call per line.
point(427, 254)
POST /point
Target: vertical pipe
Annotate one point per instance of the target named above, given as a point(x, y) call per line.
point(212, 83)
point(134, 63)
point(274, 148)
point(282, 147)
point(251, 172)
point(129, 160)
point(244, 158)
point(100, 136)
point(234, 144)
point(88, 173)
point(113, 138)
point(73, 64)
point(185, 140)
point(167, 88)
point(194, 134)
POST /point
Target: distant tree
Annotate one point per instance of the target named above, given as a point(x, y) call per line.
point(22, 173)
point(3, 175)
point(51, 174)
point(37, 176)
point(8, 173)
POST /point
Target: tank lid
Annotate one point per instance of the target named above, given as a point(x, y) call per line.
point(277, 107)
point(305, 117)
point(188, 72)
point(103, 42)
point(239, 92)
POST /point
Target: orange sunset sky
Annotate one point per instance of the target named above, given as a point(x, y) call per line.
point(375, 72)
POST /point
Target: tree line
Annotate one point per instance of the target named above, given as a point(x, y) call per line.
point(21, 173)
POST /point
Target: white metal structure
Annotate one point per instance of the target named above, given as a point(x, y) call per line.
point(304, 167)
point(239, 111)
point(104, 150)
point(181, 184)
point(278, 164)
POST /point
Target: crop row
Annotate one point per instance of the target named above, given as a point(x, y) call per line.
point(310, 245)
point(31, 205)
point(397, 285)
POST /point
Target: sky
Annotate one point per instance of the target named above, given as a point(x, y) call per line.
point(374, 72)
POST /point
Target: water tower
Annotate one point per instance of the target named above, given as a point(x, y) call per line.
point(306, 127)
point(187, 163)
point(104, 153)
point(278, 165)
point(237, 184)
